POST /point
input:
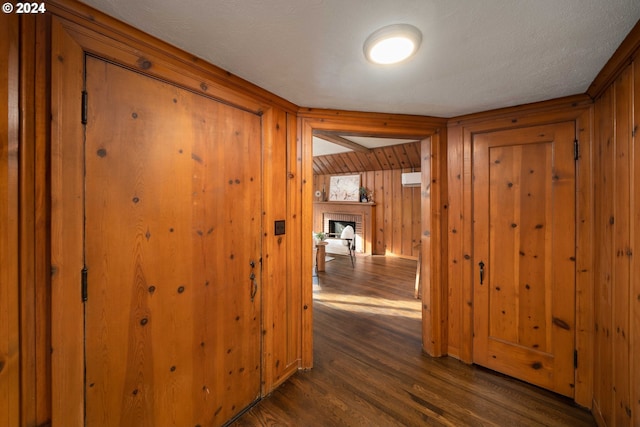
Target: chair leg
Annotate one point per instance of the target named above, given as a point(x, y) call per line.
point(352, 252)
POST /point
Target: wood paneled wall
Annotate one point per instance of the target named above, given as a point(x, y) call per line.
point(616, 248)
point(434, 244)
point(607, 270)
point(25, 292)
point(282, 267)
point(398, 211)
point(9, 271)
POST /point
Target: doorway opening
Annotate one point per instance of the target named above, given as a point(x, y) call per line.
point(384, 182)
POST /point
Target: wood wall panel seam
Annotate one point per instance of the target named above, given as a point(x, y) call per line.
point(10, 348)
point(42, 254)
point(635, 241)
point(603, 255)
point(621, 274)
point(305, 135)
point(585, 261)
point(29, 231)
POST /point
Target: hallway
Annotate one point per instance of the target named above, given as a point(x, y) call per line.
point(369, 369)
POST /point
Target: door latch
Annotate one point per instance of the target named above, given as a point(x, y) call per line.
point(252, 279)
point(481, 265)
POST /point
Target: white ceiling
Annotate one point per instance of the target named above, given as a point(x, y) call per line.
point(322, 147)
point(476, 55)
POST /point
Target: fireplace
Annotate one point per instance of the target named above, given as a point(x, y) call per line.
point(335, 222)
point(361, 216)
point(336, 227)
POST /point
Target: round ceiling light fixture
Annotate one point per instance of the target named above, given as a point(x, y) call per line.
point(392, 44)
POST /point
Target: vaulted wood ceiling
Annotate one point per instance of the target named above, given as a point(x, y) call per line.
point(401, 156)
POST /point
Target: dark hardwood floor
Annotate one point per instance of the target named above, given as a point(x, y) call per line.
point(369, 369)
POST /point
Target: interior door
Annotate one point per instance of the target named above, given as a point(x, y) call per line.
point(524, 251)
point(172, 232)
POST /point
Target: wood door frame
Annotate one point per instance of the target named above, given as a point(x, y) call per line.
point(434, 311)
point(579, 110)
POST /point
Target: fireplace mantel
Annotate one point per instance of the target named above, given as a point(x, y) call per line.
point(364, 215)
point(345, 203)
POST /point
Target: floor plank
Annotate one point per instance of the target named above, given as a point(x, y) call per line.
point(369, 369)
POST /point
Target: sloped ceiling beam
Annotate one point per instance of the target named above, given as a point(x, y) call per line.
point(338, 140)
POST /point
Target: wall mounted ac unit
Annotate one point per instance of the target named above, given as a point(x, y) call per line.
point(411, 179)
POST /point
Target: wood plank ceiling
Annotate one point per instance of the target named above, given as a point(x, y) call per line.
point(401, 156)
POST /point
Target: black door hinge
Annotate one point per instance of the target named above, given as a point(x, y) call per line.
point(575, 359)
point(84, 107)
point(85, 295)
point(576, 150)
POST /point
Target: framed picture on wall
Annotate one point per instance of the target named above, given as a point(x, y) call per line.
point(344, 188)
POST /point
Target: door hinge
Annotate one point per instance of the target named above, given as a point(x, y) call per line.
point(85, 295)
point(575, 359)
point(576, 150)
point(85, 104)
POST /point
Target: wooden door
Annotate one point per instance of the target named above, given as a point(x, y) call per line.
point(172, 232)
point(524, 253)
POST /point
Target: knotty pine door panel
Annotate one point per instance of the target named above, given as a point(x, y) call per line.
point(172, 229)
point(524, 236)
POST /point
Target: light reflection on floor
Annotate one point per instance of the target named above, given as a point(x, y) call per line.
point(369, 304)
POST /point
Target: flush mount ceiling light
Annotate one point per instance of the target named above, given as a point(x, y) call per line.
point(392, 44)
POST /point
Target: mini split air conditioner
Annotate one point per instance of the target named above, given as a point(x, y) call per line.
point(411, 179)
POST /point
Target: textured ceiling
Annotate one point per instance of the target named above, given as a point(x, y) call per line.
point(476, 55)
